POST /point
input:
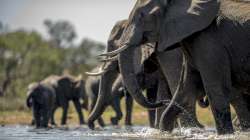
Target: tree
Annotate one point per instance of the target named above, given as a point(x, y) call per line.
point(14, 49)
point(82, 58)
point(61, 32)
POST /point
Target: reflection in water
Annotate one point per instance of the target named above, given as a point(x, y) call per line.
point(118, 133)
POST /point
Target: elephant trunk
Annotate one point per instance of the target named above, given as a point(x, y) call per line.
point(29, 100)
point(104, 94)
point(173, 109)
point(127, 69)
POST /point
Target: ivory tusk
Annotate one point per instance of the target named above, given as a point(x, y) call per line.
point(94, 73)
point(115, 52)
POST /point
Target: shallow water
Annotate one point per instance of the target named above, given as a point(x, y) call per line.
point(20, 132)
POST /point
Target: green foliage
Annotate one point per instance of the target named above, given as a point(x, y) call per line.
point(26, 57)
point(62, 32)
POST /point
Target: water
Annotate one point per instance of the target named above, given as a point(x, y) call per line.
point(21, 132)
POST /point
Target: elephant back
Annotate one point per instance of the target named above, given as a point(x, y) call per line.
point(235, 10)
point(66, 86)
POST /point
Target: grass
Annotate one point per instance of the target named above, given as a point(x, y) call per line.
point(13, 111)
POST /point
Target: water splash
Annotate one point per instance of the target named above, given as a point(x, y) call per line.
point(20, 132)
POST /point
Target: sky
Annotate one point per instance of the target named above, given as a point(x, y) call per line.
point(92, 19)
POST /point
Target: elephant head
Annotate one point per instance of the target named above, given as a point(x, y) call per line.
point(166, 22)
point(108, 72)
point(35, 94)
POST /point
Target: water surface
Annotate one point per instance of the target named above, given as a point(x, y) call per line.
point(21, 132)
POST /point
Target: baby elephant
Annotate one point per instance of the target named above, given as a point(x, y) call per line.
point(42, 99)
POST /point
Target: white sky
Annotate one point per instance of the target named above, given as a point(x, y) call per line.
point(91, 18)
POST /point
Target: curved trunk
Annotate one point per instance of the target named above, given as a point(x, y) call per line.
point(126, 65)
point(105, 87)
point(170, 113)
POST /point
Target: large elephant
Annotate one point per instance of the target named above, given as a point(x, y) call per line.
point(42, 99)
point(152, 81)
point(118, 91)
point(214, 36)
point(68, 88)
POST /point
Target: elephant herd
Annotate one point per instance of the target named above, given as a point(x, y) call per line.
point(178, 52)
point(46, 96)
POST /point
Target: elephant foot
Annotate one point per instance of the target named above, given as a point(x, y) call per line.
point(32, 122)
point(200, 125)
point(91, 125)
point(128, 123)
point(114, 121)
point(53, 123)
point(102, 124)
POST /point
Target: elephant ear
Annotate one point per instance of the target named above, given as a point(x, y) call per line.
point(184, 18)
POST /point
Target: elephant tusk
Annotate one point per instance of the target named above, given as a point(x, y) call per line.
point(109, 59)
point(95, 73)
point(115, 52)
point(100, 72)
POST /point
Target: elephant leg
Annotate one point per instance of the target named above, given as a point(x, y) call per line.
point(33, 122)
point(152, 95)
point(190, 119)
point(163, 93)
point(100, 120)
point(78, 108)
point(116, 105)
point(64, 113)
point(129, 108)
point(220, 107)
point(241, 109)
point(37, 116)
point(214, 65)
point(45, 112)
point(53, 116)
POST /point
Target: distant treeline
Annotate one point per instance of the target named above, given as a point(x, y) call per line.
point(25, 56)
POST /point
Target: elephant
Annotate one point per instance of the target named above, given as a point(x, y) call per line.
point(68, 88)
point(118, 91)
point(212, 38)
point(152, 82)
point(42, 99)
point(246, 99)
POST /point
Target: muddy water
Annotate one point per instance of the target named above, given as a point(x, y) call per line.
point(21, 132)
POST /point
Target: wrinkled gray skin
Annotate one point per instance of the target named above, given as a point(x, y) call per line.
point(246, 98)
point(194, 85)
point(215, 37)
point(110, 75)
point(118, 91)
point(150, 79)
point(67, 89)
point(42, 99)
